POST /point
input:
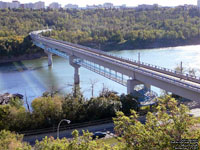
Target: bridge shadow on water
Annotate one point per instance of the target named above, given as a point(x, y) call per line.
point(16, 76)
point(11, 67)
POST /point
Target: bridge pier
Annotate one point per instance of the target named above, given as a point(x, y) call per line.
point(50, 59)
point(76, 70)
point(131, 85)
point(147, 86)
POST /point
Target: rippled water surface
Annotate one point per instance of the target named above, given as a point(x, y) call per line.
point(33, 77)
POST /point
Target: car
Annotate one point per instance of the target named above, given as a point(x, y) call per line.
point(98, 135)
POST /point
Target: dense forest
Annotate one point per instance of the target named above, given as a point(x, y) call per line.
point(107, 29)
point(169, 127)
point(48, 110)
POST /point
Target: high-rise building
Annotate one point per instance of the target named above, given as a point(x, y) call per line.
point(29, 6)
point(4, 5)
point(1, 4)
point(71, 6)
point(54, 5)
point(15, 4)
point(198, 3)
point(108, 5)
point(39, 5)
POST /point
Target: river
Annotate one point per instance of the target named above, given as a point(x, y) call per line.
point(33, 77)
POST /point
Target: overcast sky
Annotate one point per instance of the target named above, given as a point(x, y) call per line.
point(82, 3)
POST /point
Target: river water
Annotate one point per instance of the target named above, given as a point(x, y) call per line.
point(33, 77)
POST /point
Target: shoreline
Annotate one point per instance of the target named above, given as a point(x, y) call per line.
point(22, 57)
point(106, 48)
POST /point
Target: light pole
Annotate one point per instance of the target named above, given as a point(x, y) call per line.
point(181, 67)
point(139, 57)
point(68, 121)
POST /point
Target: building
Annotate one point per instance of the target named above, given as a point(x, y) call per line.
point(71, 6)
point(123, 6)
point(1, 4)
point(15, 4)
point(29, 6)
point(120, 7)
point(108, 5)
point(144, 6)
point(55, 5)
point(4, 5)
point(38, 5)
point(93, 6)
point(198, 3)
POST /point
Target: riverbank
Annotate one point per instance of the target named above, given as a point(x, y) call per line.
point(109, 46)
point(138, 45)
point(31, 56)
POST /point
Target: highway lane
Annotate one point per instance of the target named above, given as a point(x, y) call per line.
point(68, 133)
point(107, 127)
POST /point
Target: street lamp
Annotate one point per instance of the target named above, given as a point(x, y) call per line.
point(68, 121)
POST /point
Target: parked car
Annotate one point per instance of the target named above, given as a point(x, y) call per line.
point(98, 135)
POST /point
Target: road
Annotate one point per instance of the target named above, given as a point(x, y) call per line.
point(103, 127)
point(107, 127)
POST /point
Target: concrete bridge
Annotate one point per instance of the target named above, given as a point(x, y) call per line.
point(124, 71)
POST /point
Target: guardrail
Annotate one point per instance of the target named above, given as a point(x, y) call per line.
point(66, 127)
point(121, 62)
point(104, 73)
point(141, 64)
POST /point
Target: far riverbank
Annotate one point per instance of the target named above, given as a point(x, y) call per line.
point(32, 56)
point(107, 47)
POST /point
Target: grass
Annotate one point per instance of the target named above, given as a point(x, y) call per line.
point(110, 141)
point(198, 119)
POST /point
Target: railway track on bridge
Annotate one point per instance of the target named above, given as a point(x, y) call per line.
point(139, 66)
point(183, 80)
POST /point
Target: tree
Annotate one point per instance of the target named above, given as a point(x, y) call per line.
point(47, 110)
point(83, 142)
point(92, 83)
point(128, 103)
point(12, 141)
point(170, 123)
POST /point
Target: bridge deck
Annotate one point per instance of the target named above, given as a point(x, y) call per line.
point(182, 80)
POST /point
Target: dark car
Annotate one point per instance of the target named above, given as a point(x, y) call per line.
point(98, 135)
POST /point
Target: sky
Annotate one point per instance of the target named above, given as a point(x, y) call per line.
point(83, 3)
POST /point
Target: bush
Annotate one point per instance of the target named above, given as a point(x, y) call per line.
point(170, 123)
point(12, 141)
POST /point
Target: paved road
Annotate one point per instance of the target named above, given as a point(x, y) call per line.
point(103, 127)
point(107, 127)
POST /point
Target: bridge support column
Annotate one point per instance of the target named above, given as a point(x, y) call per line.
point(147, 86)
point(131, 85)
point(76, 70)
point(50, 59)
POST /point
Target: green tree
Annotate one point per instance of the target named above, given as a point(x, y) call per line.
point(83, 142)
point(12, 141)
point(170, 123)
point(47, 110)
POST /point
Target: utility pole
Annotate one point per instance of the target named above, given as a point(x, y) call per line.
point(139, 58)
point(181, 67)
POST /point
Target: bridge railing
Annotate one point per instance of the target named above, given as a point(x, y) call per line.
point(162, 70)
point(168, 79)
point(138, 69)
point(141, 64)
point(103, 72)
